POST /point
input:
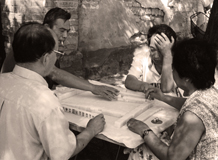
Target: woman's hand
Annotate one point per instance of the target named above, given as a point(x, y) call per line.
point(156, 93)
point(136, 126)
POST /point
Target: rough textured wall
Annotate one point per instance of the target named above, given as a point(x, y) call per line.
point(15, 12)
point(110, 23)
point(105, 27)
point(98, 44)
point(104, 24)
point(2, 50)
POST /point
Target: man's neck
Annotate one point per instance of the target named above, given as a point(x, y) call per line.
point(35, 67)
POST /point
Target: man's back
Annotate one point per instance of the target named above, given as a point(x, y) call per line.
point(29, 113)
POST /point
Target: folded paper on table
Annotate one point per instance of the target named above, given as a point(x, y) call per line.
point(121, 135)
point(164, 112)
point(132, 114)
point(80, 106)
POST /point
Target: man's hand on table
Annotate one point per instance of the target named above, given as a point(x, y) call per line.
point(96, 125)
point(108, 92)
point(145, 86)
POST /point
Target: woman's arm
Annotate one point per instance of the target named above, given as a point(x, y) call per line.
point(176, 102)
point(187, 134)
point(156, 93)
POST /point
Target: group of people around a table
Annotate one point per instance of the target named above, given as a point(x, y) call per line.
point(32, 121)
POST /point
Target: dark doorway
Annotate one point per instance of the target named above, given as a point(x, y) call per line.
point(2, 49)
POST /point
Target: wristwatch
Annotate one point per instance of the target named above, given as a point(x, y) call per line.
point(145, 133)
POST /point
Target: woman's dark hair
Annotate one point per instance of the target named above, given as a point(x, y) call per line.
point(31, 41)
point(162, 28)
point(56, 13)
point(196, 60)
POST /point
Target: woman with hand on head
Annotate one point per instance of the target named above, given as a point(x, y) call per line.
point(195, 135)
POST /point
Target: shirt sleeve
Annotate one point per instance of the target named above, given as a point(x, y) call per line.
point(140, 56)
point(56, 138)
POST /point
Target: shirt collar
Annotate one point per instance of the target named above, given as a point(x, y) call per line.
point(28, 74)
point(153, 69)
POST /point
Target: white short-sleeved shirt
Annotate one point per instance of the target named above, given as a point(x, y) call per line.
point(32, 123)
point(142, 67)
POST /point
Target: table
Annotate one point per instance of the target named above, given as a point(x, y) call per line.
point(80, 106)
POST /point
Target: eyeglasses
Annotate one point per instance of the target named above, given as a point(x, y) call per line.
point(61, 53)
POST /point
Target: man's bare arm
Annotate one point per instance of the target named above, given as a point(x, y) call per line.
point(94, 126)
point(69, 80)
point(164, 45)
point(134, 84)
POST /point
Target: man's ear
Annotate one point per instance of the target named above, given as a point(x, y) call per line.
point(45, 59)
point(187, 79)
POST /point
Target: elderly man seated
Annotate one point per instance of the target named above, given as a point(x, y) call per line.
point(32, 122)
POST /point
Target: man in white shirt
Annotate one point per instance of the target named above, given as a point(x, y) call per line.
point(151, 64)
point(33, 126)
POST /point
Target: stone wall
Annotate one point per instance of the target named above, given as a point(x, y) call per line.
point(15, 12)
point(98, 44)
point(105, 27)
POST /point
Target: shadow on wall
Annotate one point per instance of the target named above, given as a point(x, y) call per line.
point(107, 25)
point(108, 62)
